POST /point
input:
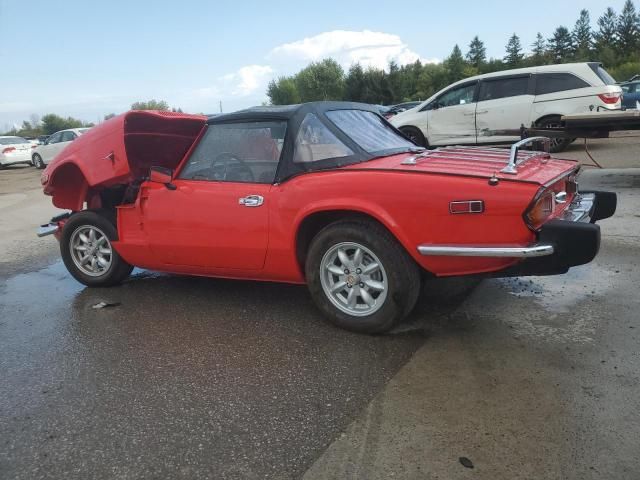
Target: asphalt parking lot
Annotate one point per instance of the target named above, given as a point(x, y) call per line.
point(202, 378)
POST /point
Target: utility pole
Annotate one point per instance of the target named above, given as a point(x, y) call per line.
point(220, 106)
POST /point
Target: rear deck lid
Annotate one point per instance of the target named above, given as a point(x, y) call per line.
point(483, 162)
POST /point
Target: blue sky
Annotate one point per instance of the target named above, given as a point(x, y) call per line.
point(90, 58)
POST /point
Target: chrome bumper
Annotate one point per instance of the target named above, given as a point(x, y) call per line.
point(47, 229)
point(580, 210)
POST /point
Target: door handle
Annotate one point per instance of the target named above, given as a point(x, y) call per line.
point(480, 113)
point(251, 200)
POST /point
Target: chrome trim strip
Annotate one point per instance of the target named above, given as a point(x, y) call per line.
point(47, 229)
point(539, 250)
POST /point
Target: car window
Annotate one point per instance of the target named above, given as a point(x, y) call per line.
point(368, 130)
point(502, 88)
point(237, 152)
point(55, 138)
point(12, 140)
point(68, 136)
point(557, 82)
point(604, 75)
point(315, 142)
point(457, 96)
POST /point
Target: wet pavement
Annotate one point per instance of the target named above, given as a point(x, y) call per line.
point(186, 378)
point(200, 378)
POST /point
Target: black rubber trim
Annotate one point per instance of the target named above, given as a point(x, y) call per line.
point(604, 206)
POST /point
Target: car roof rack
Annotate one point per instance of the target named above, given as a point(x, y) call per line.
point(487, 154)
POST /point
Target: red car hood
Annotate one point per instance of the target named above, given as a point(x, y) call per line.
point(535, 167)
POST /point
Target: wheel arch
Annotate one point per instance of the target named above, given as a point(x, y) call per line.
point(424, 135)
point(68, 187)
point(315, 221)
point(547, 116)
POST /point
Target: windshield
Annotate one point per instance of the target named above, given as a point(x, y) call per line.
point(12, 140)
point(369, 131)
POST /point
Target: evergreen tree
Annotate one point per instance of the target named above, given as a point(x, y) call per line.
point(582, 37)
point(354, 83)
point(560, 45)
point(628, 30)
point(538, 50)
point(514, 52)
point(606, 34)
point(455, 64)
point(477, 53)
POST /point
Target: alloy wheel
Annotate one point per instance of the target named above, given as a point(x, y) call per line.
point(354, 279)
point(91, 250)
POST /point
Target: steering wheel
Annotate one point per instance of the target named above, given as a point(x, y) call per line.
point(222, 165)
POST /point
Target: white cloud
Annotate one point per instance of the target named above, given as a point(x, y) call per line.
point(375, 49)
point(248, 85)
point(244, 82)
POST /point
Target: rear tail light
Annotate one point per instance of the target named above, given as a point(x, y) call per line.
point(540, 210)
point(8, 149)
point(34, 146)
point(609, 98)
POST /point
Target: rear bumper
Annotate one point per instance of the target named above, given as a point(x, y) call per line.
point(571, 240)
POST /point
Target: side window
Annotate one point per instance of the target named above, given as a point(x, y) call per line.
point(557, 82)
point(68, 136)
point(237, 152)
point(315, 142)
point(55, 138)
point(502, 88)
point(458, 96)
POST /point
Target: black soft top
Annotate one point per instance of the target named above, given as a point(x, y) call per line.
point(294, 115)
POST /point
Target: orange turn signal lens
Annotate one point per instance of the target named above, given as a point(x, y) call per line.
point(540, 210)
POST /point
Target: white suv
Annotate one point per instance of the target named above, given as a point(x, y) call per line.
point(471, 110)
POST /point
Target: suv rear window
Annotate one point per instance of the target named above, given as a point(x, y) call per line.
point(557, 82)
point(502, 88)
point(602, 74)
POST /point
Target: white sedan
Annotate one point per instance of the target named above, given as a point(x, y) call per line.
point(46, 152)
point(14, 150)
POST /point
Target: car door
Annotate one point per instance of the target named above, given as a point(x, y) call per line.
point(450, 117)
point(504, 103)
point(50, 149)
point(216, 213)
point(631, 95)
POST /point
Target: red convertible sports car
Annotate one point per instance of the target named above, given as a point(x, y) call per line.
point(328, 194)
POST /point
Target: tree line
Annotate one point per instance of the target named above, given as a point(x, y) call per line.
point(615, 43)
point(51, 123)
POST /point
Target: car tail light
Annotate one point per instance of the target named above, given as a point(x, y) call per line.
point(609, 98)
point(34, 146)
point(541, 209)
point(8, 149)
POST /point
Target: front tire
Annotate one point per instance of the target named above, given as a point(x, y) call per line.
point(360, 277)
point(415, 135)
point(37, 161)
point(87, 251)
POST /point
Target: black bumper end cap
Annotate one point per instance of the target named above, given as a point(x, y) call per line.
point(604, 206)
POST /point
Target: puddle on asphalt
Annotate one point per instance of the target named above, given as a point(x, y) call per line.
point(562, 293)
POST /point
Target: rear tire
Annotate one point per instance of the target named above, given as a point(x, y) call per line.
point(557, 144)
point(360, 277)
point(37, 161)
point(85, 246)
point(415, 135)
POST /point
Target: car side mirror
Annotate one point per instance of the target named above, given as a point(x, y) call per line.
point(162, 175)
